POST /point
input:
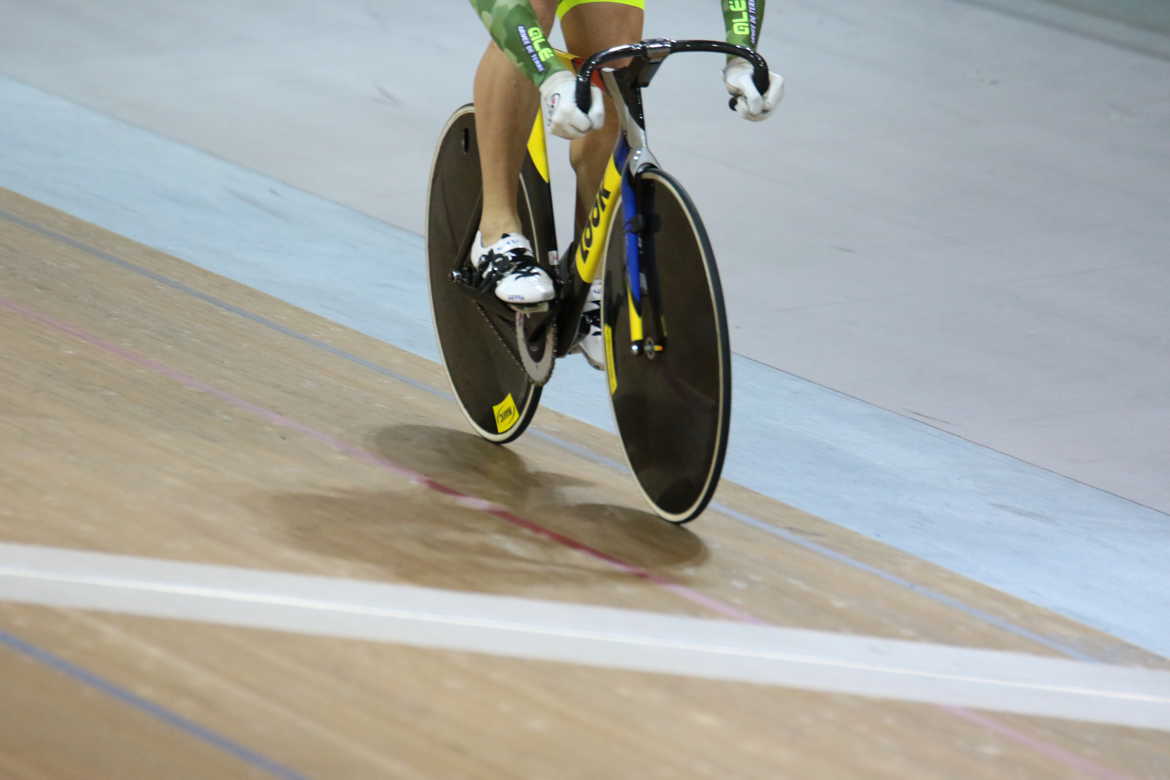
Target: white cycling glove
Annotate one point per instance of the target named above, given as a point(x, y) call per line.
point(749, 103)
point(561, 114)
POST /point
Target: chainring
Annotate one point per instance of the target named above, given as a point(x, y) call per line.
point(536, 342)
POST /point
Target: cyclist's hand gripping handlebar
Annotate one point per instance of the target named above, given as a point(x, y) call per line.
point(562, 113)
point(754, 93)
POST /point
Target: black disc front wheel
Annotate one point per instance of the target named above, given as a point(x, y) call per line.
point(671, 388)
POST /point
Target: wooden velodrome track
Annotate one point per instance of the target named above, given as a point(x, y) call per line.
point(151, 409)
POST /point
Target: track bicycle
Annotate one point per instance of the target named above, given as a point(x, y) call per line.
point(668, 358)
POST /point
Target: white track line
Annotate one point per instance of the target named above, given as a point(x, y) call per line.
point(592, 636)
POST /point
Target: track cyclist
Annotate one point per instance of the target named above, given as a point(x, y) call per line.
point(519, 72)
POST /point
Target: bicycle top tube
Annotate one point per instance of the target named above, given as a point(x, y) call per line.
point(655, 50)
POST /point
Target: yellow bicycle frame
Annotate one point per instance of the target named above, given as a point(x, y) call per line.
point(589, 252)
point(591, 245)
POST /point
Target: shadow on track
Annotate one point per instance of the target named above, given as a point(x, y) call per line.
point(420, 536)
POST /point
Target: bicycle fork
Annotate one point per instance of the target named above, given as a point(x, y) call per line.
point(647, 330)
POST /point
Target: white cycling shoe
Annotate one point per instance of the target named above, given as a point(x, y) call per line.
point(591, 345)
point(511, 263)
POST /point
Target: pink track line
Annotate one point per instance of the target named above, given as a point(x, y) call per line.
point(1056, 753)
point(1081, 765)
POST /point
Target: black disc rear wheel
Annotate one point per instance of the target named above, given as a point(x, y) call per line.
point(476, 338)
point(672, 411)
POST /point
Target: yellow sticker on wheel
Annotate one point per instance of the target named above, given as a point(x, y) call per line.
point(506, 414)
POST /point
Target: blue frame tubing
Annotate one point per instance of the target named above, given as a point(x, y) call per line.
point(630, 215)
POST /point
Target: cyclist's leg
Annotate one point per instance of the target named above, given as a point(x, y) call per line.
point(505, 106)
point(590, 27)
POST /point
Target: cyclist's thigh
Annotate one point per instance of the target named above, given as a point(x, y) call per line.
point(592, 25)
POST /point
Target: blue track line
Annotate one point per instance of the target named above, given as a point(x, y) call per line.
point(575, 449)
point(186, 725)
